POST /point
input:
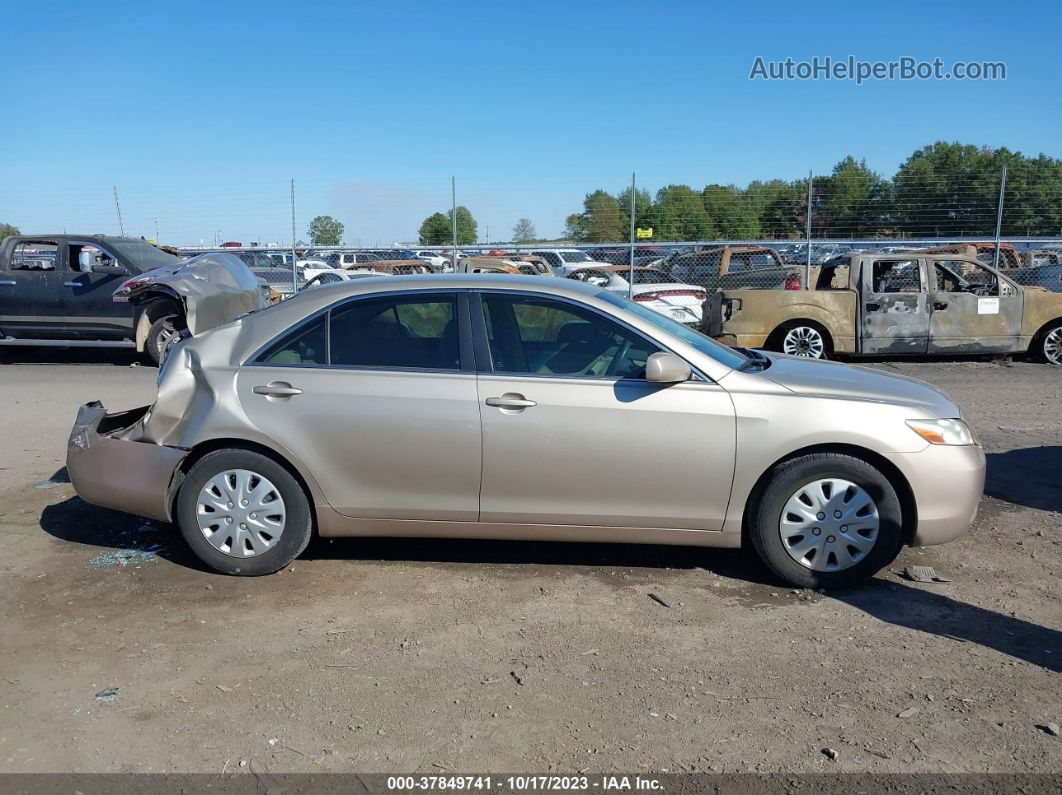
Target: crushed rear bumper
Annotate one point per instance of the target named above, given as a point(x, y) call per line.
point(110, 468)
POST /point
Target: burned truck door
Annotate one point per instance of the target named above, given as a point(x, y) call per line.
point(894, 308)
point(973, 309)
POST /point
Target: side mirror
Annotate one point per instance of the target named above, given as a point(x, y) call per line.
point(110, 270)
point(667, 368)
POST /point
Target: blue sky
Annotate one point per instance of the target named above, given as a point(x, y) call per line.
point(201, 113)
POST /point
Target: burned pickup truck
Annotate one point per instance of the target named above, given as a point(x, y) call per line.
point(895, 304)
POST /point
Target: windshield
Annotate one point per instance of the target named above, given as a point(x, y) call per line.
point(575, 256)
point(141, 253)
point(706, 345)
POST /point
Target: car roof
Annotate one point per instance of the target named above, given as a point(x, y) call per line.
point(464, 281)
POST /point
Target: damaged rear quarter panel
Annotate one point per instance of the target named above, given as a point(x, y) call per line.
point(763, 311)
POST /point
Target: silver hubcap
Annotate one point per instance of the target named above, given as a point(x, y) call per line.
point(1053, 346)
point(167, 334)
point(240, 513)
point(804, 341)
point(829, 525)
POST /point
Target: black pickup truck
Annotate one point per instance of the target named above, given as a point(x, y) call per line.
point(58, 290)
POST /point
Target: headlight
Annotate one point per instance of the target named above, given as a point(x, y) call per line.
point(955, 432)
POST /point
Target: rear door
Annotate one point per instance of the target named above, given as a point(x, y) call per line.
point(31, 290)
point(894, 308)
point(88, 296)
point(973, 309)
point(377, 397)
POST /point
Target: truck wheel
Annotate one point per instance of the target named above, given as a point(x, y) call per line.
point(243, 513)
point(1051, 345)
point(162, 334)
point(804, 340)
point(826, 520)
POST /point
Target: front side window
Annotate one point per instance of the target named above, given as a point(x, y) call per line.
point(961, 276)
point(407, 331)
point(540, 336)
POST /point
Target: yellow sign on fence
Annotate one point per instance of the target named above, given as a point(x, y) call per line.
point(644, 233)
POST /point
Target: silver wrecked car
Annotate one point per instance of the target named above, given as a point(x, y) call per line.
point(525, 408)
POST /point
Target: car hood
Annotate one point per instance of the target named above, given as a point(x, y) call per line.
point(853, 382)
point(214, 288)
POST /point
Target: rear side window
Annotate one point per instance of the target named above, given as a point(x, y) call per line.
point(34, 256)
point(409, 331)
point(897, 276)
point(304, 345)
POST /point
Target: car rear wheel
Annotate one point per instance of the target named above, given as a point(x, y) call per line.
point(826, 520)
point(243, 513)
point(1051, 346)
point(160, 337)
point(805, 341)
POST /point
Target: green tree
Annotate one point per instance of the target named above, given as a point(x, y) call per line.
point(678, 214)
point(732, 212)
point(467, 232)
point(436, 230)
point(851, 202)
point(575, 228)
point(523, 231)
point(6, 230)
point(643, 207)
point(324, 230)
point(947, 189)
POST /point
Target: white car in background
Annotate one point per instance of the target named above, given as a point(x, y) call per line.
point(652, 288)
point(565, 260)
point(438, 262)
point(337, 275)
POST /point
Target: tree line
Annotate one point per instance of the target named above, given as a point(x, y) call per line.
point(941, 190)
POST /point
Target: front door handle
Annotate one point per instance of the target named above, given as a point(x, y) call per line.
point(510, 400)
point(277, 389)
point(939, 305)
point(873, 307)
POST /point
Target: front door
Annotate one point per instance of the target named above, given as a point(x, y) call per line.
point(88, 295)
point(974, 310)
point(574, 435)
point(894, 308)
point(377, 397)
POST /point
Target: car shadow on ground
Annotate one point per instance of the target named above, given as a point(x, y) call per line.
point(733, 563)
point(119, 357)
point(1028, 476)
point(935, 614)
point(118, 536)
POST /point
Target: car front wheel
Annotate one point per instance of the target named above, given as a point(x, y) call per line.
point(243, 513)
point(826, 520)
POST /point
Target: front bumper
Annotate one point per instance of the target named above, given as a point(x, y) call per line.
point(112, 471)
point(947, 482)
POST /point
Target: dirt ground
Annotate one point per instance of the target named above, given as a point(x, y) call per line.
point(119, 653)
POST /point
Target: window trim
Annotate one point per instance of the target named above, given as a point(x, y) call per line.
point(464, 336)
point(485, 362)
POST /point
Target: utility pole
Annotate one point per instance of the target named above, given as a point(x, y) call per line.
point(807, 263)
point(118, 209)
point(157, 239)
point(453, 210)
point(999, 215)
point(630, 275)
point(294, 258)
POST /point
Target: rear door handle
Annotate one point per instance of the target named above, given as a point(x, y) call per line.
point(939, 305)
point(510, 400)
point(277, 389)
point(873, 307)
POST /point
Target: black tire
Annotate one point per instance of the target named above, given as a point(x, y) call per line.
point(803, 328)
point(162, 334)
point(766, 512)
point(298, 527)
point(1048, 345)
